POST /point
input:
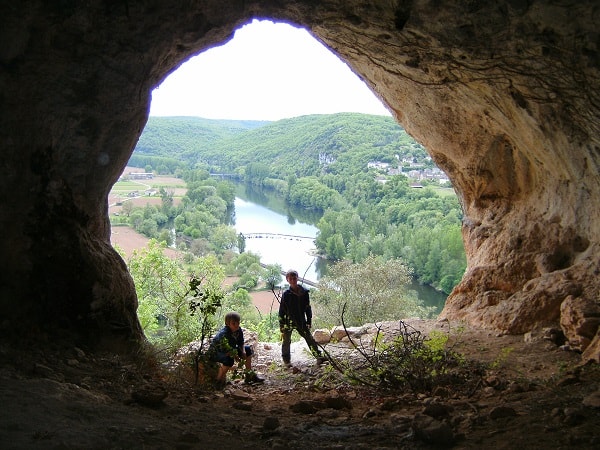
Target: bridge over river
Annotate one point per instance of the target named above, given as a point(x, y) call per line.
point(300, 279)
point(275, 236)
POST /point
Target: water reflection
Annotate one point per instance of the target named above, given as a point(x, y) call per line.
point(270, 235)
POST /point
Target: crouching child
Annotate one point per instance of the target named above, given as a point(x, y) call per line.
point(227, 346)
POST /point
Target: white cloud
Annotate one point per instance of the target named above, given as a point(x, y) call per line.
point(268, 71)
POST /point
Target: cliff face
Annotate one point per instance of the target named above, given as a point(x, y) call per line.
point(504, 96)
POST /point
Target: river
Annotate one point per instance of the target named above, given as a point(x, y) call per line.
point(287, 237)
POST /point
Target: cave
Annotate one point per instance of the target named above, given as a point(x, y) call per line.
point(504, 95)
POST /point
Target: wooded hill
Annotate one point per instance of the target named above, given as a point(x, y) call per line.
point(300, 146)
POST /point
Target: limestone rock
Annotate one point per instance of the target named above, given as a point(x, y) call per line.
point(504, 95)
point(579, 319)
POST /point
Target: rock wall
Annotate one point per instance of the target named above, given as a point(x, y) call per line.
point(503, 94)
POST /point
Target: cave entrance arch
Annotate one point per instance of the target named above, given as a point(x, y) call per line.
point(503, 95)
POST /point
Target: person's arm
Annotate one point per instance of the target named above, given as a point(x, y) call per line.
point(308, 311)
point(240, 343)
point(216, 341)
point(283, 319)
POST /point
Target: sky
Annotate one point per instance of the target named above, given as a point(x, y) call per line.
point(268, 71)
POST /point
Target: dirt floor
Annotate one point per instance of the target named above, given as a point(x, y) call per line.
point(529, 395)
point(511, 392)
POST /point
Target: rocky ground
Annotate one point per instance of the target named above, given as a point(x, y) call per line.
point(530, 395)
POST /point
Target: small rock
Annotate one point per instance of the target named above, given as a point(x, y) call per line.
point(432, 431)
point(240, 395)
point(500, 412)
point(568, 380)
point(338, 403)
point(517, 387)
point(43, 370)
point(150, 396)
point(243, 406)
point(370, 413)
point(441, 392)
point(303, 407)
point(437, 410)
point(574, 416)
point(493, 381)
point(489, 391)
point(271, 423)
point(390, 405)
point(322, 336)
point(554, 335)
point(592, 400)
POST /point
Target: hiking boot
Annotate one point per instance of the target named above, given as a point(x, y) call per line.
point(220, 384)
point(252, 377)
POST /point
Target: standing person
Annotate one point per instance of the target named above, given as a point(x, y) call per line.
point(228, 346)
point(295, 313)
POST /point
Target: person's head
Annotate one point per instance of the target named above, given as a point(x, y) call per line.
point(291, 276)
point(232, 320)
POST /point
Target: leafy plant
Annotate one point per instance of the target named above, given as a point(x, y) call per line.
point(502, 357)
point(175, 306)
point(410, 360)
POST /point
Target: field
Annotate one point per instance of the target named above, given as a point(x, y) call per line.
point(143, 192)
point(444, 192)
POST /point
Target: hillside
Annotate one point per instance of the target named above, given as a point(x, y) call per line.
point(313, 141)
point(172, 136)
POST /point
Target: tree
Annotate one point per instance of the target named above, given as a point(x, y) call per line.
point(272, 275)
point(335, 247)
point(127, 208)
point(166, 198)
point(168, 296)
point(371, 291)
point(223, 238)
point(240, 301)
point(242, 263)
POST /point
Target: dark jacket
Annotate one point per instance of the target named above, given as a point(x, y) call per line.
point(228, 342)
point(294, 309)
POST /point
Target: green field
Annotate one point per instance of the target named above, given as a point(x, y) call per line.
point(129, 186)
point(444, 192)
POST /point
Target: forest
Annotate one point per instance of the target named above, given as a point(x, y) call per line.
point(369, 180)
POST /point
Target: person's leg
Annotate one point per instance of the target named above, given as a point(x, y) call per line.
point(286, 342)
point(222, 375)
point(250, 375)
point(248, 360)
point(312, 344)
point(226, 365)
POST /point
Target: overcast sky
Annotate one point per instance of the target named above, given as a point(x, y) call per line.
point(267, 71)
